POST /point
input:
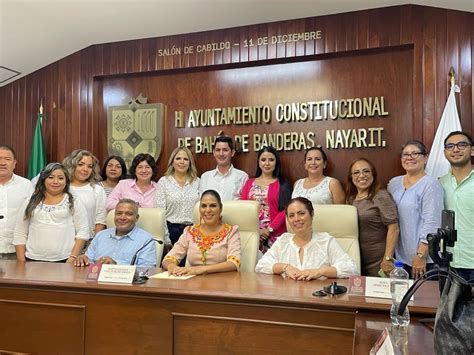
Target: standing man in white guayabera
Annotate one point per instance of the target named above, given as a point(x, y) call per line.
point(14, 190)
point(225, 179)
point(458, 187)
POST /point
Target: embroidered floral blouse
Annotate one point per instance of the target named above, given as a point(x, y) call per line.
point(260, 194)
point(200, 249)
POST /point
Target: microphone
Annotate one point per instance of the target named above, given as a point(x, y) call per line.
point(135, 256)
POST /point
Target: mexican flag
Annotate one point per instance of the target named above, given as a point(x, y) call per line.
point(38, 153)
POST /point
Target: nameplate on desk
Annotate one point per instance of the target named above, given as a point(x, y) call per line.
point(384, 345)
point(371, 286)
point(93, 272)
point(117, 273)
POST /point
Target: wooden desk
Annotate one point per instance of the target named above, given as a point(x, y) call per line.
point(50, 309)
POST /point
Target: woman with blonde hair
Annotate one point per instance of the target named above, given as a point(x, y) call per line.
point(84, 172)
point(178, 192)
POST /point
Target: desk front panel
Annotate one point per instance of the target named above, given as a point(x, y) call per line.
point(56, 322)
point(51, 309)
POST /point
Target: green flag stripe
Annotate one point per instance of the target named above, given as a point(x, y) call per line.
point(38, 153)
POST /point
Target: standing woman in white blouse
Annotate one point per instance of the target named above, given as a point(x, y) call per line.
point(316, 187)
point(305, 255)
point(83, 170)
point(178, 192)
point(52, 225)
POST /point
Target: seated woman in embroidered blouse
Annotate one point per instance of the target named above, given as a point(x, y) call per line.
point(211, 246)
point(53, 225)
point(305, 255)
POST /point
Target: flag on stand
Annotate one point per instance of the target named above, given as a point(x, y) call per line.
point(38, 153)
point(437, 165)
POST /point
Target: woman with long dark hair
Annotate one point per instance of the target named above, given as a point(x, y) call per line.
point(270, 188)
point(54, 226)
point(210, 246)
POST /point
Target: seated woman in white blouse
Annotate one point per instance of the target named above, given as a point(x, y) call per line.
point(305, 255)
point(53, 225)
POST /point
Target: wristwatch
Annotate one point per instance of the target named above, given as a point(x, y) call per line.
point(270, 229)
point(388, 258)
point(421, 255)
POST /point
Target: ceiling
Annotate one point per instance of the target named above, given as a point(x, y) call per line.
point(35, 33)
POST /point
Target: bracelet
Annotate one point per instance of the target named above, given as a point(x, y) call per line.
point(73, 256)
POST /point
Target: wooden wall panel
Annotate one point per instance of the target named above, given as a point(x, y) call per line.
point(71, 87)
point(372, 73)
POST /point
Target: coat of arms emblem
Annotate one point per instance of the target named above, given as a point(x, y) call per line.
point(136, 127)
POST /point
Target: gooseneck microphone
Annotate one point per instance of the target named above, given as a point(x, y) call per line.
point(135, 256)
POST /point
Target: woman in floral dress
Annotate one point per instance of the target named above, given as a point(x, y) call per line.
point(269, 187)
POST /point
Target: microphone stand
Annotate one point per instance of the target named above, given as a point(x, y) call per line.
point(141, 277)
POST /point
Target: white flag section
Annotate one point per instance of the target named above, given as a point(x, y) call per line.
point(437, 164)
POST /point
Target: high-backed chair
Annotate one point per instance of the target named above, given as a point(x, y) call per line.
point(340, 221)
point(245, 215)
point(153, 221)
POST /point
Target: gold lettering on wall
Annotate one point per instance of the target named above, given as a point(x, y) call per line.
point(311, 111)
point(355, 138)
point(174, 50)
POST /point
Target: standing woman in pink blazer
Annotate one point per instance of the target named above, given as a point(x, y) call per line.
point(270, 188)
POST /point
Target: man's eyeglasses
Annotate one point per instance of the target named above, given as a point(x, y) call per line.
point(460, 145)
point(413, 155)
point(360, 172)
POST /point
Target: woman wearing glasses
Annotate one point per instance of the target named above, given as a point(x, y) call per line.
point(378, 218)
point(419, 200)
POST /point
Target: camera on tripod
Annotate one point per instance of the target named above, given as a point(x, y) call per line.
point(445, 237)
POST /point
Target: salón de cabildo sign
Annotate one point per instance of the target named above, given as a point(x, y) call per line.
point(282, 113)
point(287, 113)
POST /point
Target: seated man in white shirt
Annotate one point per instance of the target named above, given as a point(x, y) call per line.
point(119, 245)
point(225, 179)
point(14, 190)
